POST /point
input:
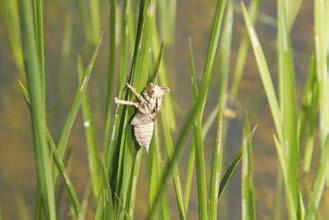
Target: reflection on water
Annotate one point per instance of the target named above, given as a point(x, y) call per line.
point(17, 176)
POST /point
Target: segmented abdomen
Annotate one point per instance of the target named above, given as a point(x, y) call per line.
point(144, 133)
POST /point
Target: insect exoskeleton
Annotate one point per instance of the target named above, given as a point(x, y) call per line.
point(148, 106)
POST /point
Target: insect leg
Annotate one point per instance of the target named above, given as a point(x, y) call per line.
point(138, 96)
point(124, 102)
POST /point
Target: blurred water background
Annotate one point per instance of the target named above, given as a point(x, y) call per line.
point(17, 175)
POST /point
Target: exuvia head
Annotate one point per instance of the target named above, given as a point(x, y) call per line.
point(155, 90)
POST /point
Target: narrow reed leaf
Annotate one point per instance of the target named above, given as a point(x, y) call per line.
point(167, 105)
point(95, 23)
point(243, 51)
point(175, 174)
point(110, 74)
point(247, 183)
point(35, 89)
point(76, 103)
point(191, 156)
point(288, 108)
point(217, 155)
point(156, 66)
point(57, 160)
point(321, 54)
point(264, 72)
point(319, 184)
point(228, 173)
point(179, 146)
point(206, 82)
point(97, 181)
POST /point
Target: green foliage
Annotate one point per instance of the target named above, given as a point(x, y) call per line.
point(115, 158)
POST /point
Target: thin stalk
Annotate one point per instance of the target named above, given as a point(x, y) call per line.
point(110, 75)
point(319, 184)
point(243, 51)
point(217, 155)
point(35, 87)
point(247, 183)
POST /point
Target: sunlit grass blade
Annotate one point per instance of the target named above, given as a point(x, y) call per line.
point(104, 207)
point(321, 57)
point(243, 51)
point(179, 146)
point(110, 74)
point(206, 82)
point(308, 114)
point(319, 183)
point(35, 88)
point(97, 181)
point(164, 81)
point(191, 157)
point(292, 12)
point(264, 72)
point(66, 131)
point(175, 173)
point(85, 21)
point(247, 183)
point(217, 155)
point(228, 173)
point(57, 160)
point(95, 23)
point(288, 109)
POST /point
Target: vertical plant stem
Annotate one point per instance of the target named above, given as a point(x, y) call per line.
point(217, 155)
point(110, 75)
point(35, 86)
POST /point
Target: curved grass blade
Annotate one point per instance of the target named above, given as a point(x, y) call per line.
point(66, 131)
point(228, 173)
point(97, 181)
point(57, 160)
point(264, 72)
point(243, 51)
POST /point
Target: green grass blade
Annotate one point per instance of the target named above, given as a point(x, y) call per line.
point(264, 72)
point(34, 81)
point(86, 23)
point(191, 157)
point(206, 81)
point(76, 103)
point(179, 146)
point(243, 52)
point(319, 184)
point(288, 108)
point(228, 173)
point(97, 181)
point(110, 75)
point(217, 155)
point(247, 183)
point(57, 160)
point(164, 81)
point(175, 174)
point(95, 23)
point(321, 54)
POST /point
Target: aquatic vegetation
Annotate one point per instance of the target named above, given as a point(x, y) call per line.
point(140, 34)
